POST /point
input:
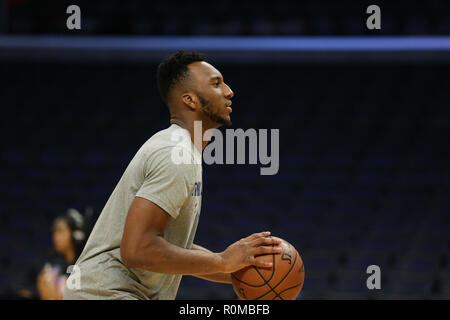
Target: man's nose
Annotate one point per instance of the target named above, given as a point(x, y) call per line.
point(229, 93)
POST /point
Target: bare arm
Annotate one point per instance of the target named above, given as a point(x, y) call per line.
point(215, 277)
point(144, 247)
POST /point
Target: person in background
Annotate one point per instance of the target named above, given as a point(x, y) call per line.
point(69, 235)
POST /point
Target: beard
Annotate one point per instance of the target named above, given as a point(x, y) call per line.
point(213, 116)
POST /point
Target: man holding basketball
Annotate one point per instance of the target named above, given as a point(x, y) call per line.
point(142, 242)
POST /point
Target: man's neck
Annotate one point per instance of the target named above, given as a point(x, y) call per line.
point(196, 133)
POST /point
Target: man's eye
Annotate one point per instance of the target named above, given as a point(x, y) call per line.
point(216, 83)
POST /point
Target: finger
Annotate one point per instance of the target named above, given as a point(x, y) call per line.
point(258, 235)
point(266, 250)
point(266, 241)
point(260, 263)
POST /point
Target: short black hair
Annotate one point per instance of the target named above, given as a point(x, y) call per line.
point(173, 69)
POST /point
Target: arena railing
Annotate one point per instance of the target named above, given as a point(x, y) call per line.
point(138, 49)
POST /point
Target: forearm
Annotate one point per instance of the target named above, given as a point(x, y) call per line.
point(215, 277)
point(159, 255)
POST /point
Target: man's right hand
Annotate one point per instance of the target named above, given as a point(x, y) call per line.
point(243, 252)
point(143, 247)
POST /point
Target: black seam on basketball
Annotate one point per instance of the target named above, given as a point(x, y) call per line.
point(247, 284)
point(293, 287)
point(295, 260)
point(302, 268)
point(267, 283)
point(276, 293)
point(273, 269)
point(273, 266)
point(262, 285)
point(271, 276)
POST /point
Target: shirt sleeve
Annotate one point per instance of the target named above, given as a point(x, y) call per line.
point(166, 183)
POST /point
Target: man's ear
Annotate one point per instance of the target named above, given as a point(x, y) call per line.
point(190, 100)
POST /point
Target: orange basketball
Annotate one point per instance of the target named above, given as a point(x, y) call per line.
point(283, 281)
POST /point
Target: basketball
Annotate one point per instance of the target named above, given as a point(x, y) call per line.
point(283, 281)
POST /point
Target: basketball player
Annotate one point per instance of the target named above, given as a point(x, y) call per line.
point(142, 242)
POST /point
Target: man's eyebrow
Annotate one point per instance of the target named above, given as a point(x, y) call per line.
point(215, 78)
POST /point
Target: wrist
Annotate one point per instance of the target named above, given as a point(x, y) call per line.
point(220, 263)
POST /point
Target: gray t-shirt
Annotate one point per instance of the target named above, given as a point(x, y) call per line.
point(167, 171)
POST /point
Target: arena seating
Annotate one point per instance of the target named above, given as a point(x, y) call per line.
point(232, 17)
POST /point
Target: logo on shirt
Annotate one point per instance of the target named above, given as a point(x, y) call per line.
point(197, 189)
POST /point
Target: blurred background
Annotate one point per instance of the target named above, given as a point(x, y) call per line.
point(229, 17)
point(363, 117)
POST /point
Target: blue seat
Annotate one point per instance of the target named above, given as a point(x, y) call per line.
point(424, 265)
point(53, 158)
point(320, 262)
point(94, 159)
point(315, 282)
point(381, 245)
point(351, 282)
point(429, 245)
point(359, 261)
point(413, 286)
point(444, 285)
